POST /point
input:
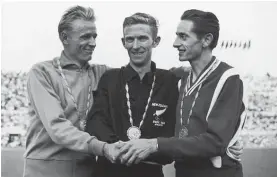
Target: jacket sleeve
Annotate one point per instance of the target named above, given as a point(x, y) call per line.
point(170, 116)
point(222, 124)
point(99, 70)
point(47, 106)
point(99, 121)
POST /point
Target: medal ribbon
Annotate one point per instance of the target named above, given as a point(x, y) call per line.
point(189, 91)
point(73, 99)
point(146, 107)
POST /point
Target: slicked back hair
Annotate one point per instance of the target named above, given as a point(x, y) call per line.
point(204, 23)
point(74, 13)
point(142, 18)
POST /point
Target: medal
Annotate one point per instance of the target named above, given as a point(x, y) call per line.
point(133, 133)
point(183, 132)
point(82, 121)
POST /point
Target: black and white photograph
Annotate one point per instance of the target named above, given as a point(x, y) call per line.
point(138, 89)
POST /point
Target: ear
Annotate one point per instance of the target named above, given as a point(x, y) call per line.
point(64, 37)
point(123, 41)
point(207, 40)
point(157, 41)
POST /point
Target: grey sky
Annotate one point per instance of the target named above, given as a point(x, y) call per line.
point(29, 32)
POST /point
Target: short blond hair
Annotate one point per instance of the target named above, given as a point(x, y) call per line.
point(74, 13)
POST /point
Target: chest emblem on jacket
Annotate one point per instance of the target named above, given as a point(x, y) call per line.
point(158, 120)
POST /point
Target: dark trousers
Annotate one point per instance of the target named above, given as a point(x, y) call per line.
point(106, 169)
point(185, 171)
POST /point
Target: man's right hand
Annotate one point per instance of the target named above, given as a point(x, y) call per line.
point(237, 149)
point(111, 151)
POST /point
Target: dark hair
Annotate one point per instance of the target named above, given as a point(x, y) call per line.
point(204, 23)
point(142, 18)
point(73, 13)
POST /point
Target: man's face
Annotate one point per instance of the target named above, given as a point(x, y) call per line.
point(80, 42)
point(138, 40)
point(187, 43)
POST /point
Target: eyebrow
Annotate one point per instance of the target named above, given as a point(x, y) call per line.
point(181, 33)
point(88, 33)
point(137, 35)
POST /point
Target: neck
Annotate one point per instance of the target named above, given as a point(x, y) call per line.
point(79, 63)
point(142, 70)
point(200, 63)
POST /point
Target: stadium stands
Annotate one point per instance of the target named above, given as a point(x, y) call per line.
point(260, 129)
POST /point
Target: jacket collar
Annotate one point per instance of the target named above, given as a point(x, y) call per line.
point(129, 73)
point(66, 63)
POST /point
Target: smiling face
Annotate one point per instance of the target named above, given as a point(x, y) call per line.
point(138, 41)
point(80, 40)
point(187, 42)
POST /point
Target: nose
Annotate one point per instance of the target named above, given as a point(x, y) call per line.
point(135, 44)
point(92, 41)
point(176, 43)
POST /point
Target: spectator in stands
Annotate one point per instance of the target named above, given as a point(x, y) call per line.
point(60, 93)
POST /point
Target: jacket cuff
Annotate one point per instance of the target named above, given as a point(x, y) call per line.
point(163, 145)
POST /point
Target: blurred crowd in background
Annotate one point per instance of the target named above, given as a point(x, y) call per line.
point(260, 129)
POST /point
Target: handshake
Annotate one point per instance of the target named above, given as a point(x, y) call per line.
point(130, 152)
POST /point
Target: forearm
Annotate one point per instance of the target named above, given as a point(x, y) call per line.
point(72, 138)
point(159, 158)
point(200, 146)
point(69, 136)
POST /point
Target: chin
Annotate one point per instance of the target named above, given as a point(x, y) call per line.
point(138, 62)
point(183, 59)
point(87, 58)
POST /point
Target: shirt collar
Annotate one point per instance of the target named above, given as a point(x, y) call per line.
point(205, 68)
point(129, 73)
point(66, 63)
point(209, 64)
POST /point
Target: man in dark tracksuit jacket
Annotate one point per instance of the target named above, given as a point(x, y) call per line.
point(138, 95)
point(109, 119)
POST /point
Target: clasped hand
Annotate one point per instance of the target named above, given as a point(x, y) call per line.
point(130, 152)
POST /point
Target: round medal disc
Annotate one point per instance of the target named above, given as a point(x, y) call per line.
point(133, 133)
point(183, 132)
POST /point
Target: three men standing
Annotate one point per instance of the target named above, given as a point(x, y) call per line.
point(136, 101)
